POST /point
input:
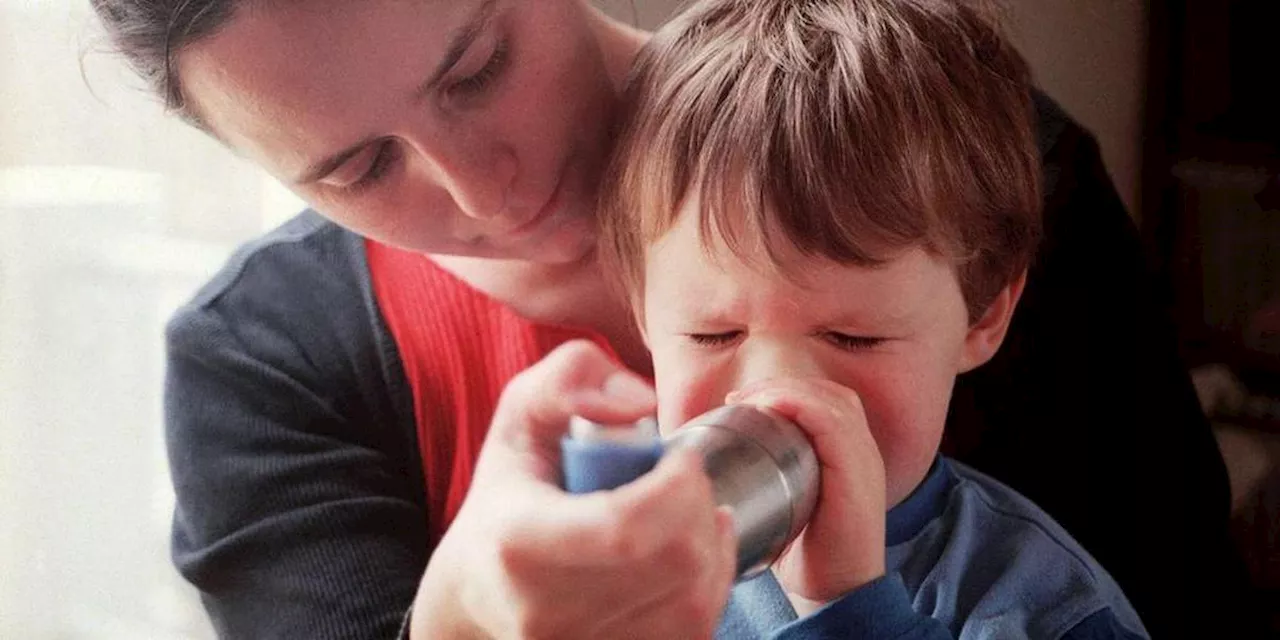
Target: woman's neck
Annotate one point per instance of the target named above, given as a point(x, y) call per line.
point(574, 295)
point(619, 44)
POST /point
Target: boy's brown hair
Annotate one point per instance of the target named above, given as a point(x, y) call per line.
point(846, 129)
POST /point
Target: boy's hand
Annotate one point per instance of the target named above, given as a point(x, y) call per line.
point(842, 548)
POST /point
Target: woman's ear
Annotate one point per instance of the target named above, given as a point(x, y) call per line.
point(987, 334)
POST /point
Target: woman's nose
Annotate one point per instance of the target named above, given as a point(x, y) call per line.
point(478, 177)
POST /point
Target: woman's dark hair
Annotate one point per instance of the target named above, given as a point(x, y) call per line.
point(150, 33)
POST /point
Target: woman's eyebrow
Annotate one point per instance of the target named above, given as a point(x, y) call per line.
point(458, 44)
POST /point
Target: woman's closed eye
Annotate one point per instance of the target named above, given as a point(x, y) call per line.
point(379, 161)
point(478, 81)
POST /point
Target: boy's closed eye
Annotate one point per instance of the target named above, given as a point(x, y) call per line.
point(835, 338)
point(851, 342)
point(714, 339)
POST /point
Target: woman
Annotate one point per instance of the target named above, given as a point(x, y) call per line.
point(329, 392)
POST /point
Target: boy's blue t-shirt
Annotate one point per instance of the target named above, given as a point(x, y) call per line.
point(967, 557)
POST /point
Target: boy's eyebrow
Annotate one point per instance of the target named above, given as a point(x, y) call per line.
point(459, 42)
point(864, 317)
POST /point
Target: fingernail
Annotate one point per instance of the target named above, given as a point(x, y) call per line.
point(733, 397)
point(763, 399)
point(624, 387)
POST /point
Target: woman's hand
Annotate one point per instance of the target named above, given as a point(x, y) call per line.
point(842, 548)
point(652, 559)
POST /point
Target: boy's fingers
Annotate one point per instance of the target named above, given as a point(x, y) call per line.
point(831, 414)
point(837, 397)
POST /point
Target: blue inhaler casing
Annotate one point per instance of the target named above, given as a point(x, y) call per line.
point(597, 457)
point(760, 465)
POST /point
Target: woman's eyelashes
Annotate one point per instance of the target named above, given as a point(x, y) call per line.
point(385, 155)
point(480, 80)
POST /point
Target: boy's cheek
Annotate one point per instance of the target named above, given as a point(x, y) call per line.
point(685, 391)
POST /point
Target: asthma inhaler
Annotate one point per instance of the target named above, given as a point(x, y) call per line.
point(760, 464)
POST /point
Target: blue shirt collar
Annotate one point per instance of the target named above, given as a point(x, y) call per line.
point(926, 503)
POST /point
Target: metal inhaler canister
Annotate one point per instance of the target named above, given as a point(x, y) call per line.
point(760, 464)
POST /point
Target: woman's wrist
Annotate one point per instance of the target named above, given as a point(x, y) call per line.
point(438, 609)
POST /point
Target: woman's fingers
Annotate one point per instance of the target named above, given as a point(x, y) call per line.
point(654, 558)
point(577, 378)
point(651, 559)
point(660, 517)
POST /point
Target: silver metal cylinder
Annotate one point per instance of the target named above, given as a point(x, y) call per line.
point(762, 467)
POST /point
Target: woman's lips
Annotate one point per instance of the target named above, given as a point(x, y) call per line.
point(549, 209)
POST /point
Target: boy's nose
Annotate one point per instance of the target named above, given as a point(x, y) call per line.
point(765, 359)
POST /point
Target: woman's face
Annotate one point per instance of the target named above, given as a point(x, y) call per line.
point(463, 127)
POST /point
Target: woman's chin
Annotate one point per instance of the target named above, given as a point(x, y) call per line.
point(573, 241)
point(568, 253)
point(569, 242)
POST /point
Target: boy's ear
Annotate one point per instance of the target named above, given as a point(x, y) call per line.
point(987, 334)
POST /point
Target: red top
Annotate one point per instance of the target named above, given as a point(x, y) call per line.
point(459, 348)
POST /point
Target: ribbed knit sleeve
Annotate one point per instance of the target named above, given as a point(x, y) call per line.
point(300, 510)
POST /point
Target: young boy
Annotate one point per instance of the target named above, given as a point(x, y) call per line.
point(810, 197)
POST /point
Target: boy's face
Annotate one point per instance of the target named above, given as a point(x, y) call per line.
point(897, 335)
